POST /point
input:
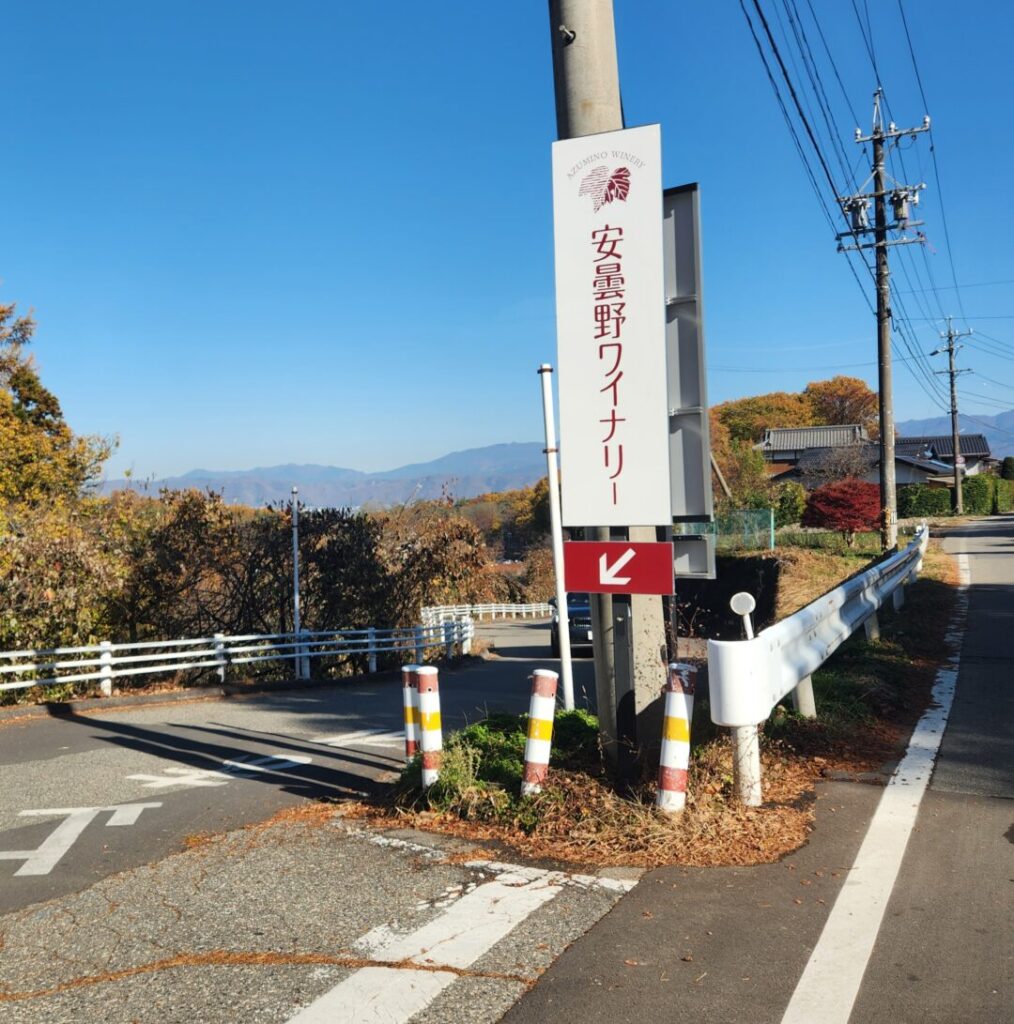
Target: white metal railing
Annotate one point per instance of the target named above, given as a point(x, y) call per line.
point(450, 612)
point(747, 678)
point(102, 663)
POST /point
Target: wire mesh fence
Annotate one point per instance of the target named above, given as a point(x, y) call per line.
point(749, 529)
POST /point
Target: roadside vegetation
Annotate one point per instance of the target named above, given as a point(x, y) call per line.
point(868, 695)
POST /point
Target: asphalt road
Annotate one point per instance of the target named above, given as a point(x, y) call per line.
point(214, 765)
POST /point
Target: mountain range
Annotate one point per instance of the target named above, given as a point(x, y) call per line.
point(464, 474)
point(998, 430)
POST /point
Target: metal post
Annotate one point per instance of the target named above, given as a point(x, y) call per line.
point(553, 474)
point(301, 661)
point(220, 659)
point(106, 669)
point(420, 645)
point(467, 628)
point(448, 640)
point(746, 767)
point(371, 639)
point(803, 700)
point(872, 628)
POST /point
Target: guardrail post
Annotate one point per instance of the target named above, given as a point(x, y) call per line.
point(872, 628)
point(106, 669)
point(467, 632)
point(803, 700)
point(430, 733)
point(449, 640)
point(220, 659)
point(674, 758)
point(898, 596)
point(371, 653)
point(746, 767)
point(420, 645)
point(302, 662)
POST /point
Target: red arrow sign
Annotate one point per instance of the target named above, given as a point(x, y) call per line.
point(618, 567)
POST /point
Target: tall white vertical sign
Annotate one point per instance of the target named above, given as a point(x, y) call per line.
point(610, 314)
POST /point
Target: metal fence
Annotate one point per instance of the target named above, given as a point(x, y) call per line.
point(99, 664)
point(452, 612)
point(749, 529)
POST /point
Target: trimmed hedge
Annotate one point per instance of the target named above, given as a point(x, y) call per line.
point(1003, 499)
point(977, 492)
point(923, 500)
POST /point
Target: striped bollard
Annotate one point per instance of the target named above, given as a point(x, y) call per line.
point(675, 756)
point(410, 704)
point(430, 734)
point(540, 730)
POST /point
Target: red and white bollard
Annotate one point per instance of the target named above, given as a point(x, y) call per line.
point(541, 712)
point(430, 733)
point(410, 705)
point(675, 756)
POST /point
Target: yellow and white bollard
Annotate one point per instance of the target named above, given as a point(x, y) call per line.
point(410, 705)
point(675, 755)
point(430, 733)
point(540, 731)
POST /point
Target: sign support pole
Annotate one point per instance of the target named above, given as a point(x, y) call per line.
point(553, 475)
point(586, 79)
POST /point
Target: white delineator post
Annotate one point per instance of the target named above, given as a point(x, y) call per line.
point(430, 732)
point(541, 712)
point(410, 707)
point(556, 530)
point(674, 759)
point(106, 669)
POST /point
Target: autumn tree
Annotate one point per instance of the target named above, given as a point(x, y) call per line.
point(40, 457)
point(842, 400)
point(746, 419)
point(848, 506)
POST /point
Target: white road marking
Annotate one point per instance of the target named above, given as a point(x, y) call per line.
point(177, 776)
point(830, 983)
point(456, 938)
point(45, 857)
point(364, 738)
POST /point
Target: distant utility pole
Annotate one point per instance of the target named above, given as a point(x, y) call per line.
point(628, 632)
point(856, 208)
point(950, 334)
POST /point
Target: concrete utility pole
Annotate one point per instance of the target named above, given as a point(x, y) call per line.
point(950, 334)
point(628, 632)
point(857, 208)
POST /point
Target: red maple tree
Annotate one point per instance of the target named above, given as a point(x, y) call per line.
point(847, 506)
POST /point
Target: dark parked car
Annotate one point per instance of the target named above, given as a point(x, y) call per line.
point(579, 614)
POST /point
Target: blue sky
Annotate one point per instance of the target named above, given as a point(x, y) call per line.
point(321, 231)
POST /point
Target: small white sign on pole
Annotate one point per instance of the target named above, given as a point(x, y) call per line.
point(610, 314)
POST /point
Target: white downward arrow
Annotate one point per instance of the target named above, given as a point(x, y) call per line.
point(607, 573)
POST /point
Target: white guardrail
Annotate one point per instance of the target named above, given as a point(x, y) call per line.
point(450, 612)
point(747, 678)
point(104, 662)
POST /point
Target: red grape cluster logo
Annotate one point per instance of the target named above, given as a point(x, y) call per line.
point(604, 187)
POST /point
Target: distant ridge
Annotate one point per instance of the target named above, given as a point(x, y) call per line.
point(464, 474)
point(998, 430)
